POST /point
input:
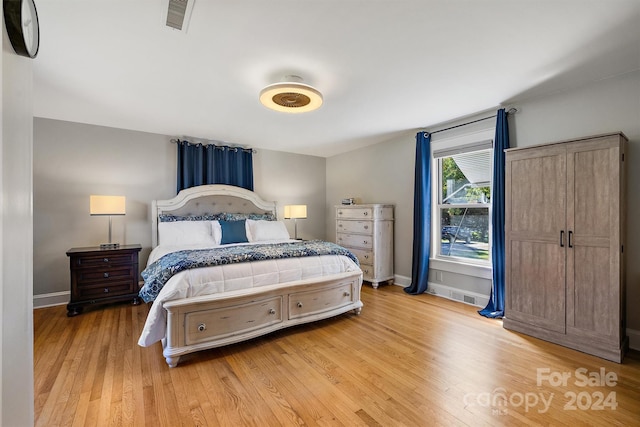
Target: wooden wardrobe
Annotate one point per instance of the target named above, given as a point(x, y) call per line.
point(565, 230)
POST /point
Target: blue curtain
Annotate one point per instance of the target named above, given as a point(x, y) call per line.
point(421, 216)
point(495, 307)
point(212, 164)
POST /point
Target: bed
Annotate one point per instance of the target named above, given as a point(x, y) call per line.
point(223, 269)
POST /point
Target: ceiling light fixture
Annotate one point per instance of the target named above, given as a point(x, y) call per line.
point(291, 96)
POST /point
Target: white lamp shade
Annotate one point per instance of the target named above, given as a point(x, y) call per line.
point(107, 205)
point(295, 211)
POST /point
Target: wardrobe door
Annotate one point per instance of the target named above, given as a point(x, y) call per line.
point(536, 237)
point(594, 246)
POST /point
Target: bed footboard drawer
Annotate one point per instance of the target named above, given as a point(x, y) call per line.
point(202, 326)
point(307, 303)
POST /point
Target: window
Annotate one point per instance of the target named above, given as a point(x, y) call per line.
point(464, 202)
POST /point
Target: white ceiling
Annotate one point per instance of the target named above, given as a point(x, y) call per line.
point(383, 66)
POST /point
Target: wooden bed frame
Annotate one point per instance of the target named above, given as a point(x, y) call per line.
point(205, 322)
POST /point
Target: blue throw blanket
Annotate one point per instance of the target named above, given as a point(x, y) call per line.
point(158, 273)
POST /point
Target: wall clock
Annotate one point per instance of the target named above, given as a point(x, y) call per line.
point(21, 20)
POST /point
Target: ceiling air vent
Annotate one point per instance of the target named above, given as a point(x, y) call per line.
point(177, 13)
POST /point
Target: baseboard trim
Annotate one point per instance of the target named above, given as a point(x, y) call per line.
point(51, 299)
point(634, 339)
point(460, 295)
point(448, 292)
point(403, 281)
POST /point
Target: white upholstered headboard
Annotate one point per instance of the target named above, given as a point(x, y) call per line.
point(209, 199)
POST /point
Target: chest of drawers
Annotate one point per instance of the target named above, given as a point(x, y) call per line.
point(101, 276)
point(367, 231)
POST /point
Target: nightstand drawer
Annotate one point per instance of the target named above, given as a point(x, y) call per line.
point(360, 227)
point(105, 275)
point(104, 260)
point(105, 290)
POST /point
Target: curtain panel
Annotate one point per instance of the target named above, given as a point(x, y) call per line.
point(495, 307)
point(421, 216)
point(200, 164)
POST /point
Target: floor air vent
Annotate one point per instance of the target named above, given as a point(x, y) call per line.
point(464, 298)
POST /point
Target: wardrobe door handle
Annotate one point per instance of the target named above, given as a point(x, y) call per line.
point(570, 234)
point(562, 238)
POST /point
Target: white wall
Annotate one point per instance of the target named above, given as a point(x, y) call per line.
point(16, 244)
point(73, 160)
point(293, 179)
point(382, 173)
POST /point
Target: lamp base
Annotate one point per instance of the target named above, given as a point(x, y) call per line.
point(109, 245)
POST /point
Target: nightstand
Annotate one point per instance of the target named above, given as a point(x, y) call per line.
point(102, 276)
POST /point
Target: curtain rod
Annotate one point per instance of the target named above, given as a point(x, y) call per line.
point(511, 111)
point(175, 141)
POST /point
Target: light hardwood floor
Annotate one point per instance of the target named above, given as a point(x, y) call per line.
point(406, 360)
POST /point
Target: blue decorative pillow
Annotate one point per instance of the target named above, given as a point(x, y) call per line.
point(233, 232)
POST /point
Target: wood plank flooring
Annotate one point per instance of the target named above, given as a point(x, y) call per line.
point(406, 360)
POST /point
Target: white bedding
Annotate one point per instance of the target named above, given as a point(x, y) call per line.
point(229, 277)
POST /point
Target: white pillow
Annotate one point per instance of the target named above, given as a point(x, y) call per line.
point(216, 231)
point(266, 230)
point(186, 233)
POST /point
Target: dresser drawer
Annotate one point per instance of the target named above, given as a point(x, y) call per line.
point(307, 303)
point(367, 272)
point(99, 261)
point(363, 255)
point(360, 227)
point(355, 213)
point(355, 240)
point(103, 290)
point(203, 325)
point(105, 275)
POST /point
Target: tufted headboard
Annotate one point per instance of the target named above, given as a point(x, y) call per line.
point(208, 199)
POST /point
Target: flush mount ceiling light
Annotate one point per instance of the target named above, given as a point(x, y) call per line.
point(291, 96)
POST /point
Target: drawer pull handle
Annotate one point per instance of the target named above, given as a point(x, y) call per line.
point(366, 227)
point(366, 257)
point(106, 290)
point(106, 275)
point(299, 305)
point(202, 327)
point(365, 213)
point(105, 259)
point(365, 242)
point(272, 311)
point(347, 294)
point(339, 225)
